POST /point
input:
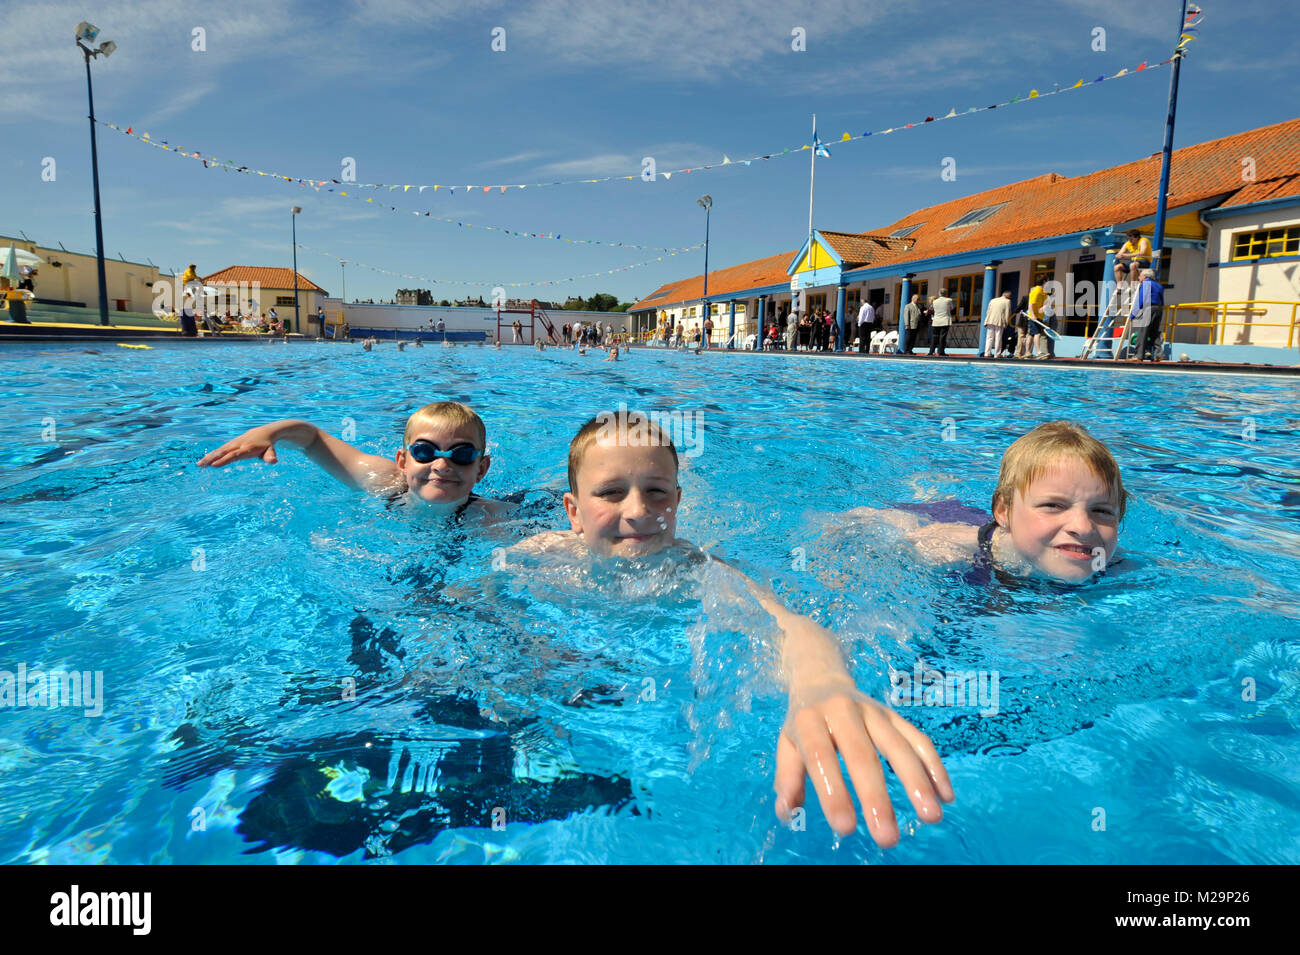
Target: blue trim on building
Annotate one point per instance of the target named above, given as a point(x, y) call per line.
point(904, 299)
point(839, 319)
point(1259, 261)
point(1279, 203)
point(990, 280)
point(826, 275)
point(803, 250)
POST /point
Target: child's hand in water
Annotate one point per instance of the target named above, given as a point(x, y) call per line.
point(257, 443)
point(832, 719)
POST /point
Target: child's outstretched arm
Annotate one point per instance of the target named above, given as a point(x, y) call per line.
point(356, 469)
point(829, 717)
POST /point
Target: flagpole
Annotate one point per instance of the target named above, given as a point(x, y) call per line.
point(812, 178)
point(1166, 155)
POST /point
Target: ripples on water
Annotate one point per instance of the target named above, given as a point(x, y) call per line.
point(326, 677)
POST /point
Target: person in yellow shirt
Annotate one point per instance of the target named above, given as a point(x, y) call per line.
point(1028, 346)
point(1133, 257)
point(193, 293)
point(15, 300)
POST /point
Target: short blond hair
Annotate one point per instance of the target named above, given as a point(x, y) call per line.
point(1032, 454)
point(621, 421)
point(451, 413)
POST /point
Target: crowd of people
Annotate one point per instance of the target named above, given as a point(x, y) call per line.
point(587, 334)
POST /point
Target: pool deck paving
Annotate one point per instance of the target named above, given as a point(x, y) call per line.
point(67, 332)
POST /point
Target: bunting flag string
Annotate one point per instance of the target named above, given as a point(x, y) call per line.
point(212, 162)
point(1193, 20)
point(318, 184)
point(431, 281)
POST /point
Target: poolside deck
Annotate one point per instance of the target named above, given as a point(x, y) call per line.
point(38, 331)
point(970, 358)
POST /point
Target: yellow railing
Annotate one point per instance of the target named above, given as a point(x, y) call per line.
point(1219, 320)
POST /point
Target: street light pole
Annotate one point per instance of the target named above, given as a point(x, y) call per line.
point(707, 202)
point(87, 32)
point(297, 324)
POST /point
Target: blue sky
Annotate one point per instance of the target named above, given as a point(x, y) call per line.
point(415, 94)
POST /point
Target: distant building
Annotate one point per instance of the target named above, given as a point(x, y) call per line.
point(1232, 228)
point(258, 289)
point(413, 296)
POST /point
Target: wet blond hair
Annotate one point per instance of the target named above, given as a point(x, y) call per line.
point(634, 424)
point(1032, 454)
point(450, 413)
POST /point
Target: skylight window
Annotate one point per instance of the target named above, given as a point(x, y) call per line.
point(976, 216)
point(904, 232)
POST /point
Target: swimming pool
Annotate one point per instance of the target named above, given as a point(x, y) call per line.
point(612, 719)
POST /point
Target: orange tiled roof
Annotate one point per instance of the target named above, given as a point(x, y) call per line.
point(1051, 205)
point(1275, 188)
point(265, 276)
point(768, 271)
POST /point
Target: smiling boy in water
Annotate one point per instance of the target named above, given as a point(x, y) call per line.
point(1056, 510)
point(622, 503)
point(443, 455)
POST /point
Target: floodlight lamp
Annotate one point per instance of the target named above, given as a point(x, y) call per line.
point(705, 201)
point(87, 31)
point(106, 48)
point(1088, 240)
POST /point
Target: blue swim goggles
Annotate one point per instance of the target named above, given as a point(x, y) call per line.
point(426, 452)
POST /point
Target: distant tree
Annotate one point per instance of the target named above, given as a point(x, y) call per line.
point(575, 305)
point(444, 303)
point(602, 302)
point(621, 307)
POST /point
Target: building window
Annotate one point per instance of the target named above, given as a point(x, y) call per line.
point(1266, 243)
point(976, 216)
point(967, 291)
point(904, 232)
point(1044, 271)
point(817, 302)
point(921, 288)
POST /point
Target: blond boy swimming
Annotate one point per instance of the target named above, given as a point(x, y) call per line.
point(1056, 510)
point(622, 503)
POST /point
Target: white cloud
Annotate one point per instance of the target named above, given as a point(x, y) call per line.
point(511, 160)
point(1121, 18)
point(179, 103)
point(687, 37)
point(667, 156)
point(246, 207)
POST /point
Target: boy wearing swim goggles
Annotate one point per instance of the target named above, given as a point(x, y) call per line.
point(443, 455)
point(622, 502)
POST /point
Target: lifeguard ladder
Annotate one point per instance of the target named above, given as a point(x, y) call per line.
point(1104, 343)
point(535, 315)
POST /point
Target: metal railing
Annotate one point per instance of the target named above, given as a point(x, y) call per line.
point(1219, 321)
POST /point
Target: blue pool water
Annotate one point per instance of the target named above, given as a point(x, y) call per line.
point(598, 717)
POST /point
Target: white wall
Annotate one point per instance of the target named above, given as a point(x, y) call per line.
point(1278, 281)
